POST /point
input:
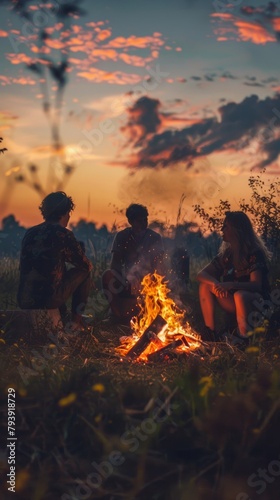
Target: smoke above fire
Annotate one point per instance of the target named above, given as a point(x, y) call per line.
point(161, 189)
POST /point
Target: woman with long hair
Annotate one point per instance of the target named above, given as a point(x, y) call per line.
point(237, 278)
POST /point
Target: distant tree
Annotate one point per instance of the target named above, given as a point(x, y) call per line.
point(11, 236)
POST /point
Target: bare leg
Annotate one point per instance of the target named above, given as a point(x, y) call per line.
point(207, 304)
point(243, 303)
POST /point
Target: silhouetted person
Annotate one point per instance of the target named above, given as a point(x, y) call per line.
point(236, 279)
point(45, 281)
point(137, 251)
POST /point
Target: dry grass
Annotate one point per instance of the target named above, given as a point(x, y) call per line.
point(196, 426)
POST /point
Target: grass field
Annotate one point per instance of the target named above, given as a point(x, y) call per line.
point(92, 425)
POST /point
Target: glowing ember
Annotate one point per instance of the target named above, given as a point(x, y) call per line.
point(154, 301)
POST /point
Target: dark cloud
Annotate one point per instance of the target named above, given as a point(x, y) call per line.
point(144, 119)
point(272, 149)
point(210, 77)
point(173, 146)
point(251, 78)
point(270, 9)
point(254, 84)
point(239, 123)
point(196, 78)
point(271, 79)
point(264, 15)
point(228, 74)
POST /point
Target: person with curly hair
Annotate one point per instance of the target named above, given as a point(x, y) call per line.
point(237, 278)
point(45, 281)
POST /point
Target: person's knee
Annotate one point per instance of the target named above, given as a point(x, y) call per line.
point(242, 297)
point(204, 288)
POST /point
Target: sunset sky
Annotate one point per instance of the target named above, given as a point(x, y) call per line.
point(159, 99)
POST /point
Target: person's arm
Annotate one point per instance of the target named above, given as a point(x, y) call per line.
point(116, 262)
point(254, 285)
point(73, 252)
point(209, 275)
point(256, 268)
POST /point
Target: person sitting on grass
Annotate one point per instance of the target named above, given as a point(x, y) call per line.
point(237, 278)
point(45, 282)
point(137, 251)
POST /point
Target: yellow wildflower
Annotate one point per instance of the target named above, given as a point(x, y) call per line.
point(22, 392)
point(98, 388)
point(68, 400)
point(22, 478)
point(252, 349)
point(207, 384)
point(259, 329)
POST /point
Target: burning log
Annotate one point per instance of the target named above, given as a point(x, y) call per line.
point(167, 350)
point(149, 334)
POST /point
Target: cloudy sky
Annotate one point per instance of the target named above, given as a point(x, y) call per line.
point(120, 101)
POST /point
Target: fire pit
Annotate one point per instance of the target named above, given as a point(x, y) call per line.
point(159, 329)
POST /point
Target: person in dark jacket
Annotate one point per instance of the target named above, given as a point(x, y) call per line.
point(45, 280)
point(136, 251)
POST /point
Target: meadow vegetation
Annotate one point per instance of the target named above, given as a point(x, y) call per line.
point(90, 424)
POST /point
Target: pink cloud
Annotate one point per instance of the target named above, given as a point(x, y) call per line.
point(253, 32)
point(105, 54)
point(51, 29)
point(19, 58)
point(222, 15)
point(55, 43)
point(245, 30)
point(24, 81)
point(134, 41)
point(92, 44)
point(75, 41)
point(117, 77)
point(135, 60)
point(276, 23)
point(3, 34)
point(103, 34)
point(40, 50)
point(7, 80)
point(92, 24)
point(4, 80)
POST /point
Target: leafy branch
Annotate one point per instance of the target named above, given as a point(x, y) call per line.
point(263, 208)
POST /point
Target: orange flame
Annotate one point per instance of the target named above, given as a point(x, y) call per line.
point(154, 300)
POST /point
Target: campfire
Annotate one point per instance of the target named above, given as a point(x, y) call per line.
point(159, 330)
